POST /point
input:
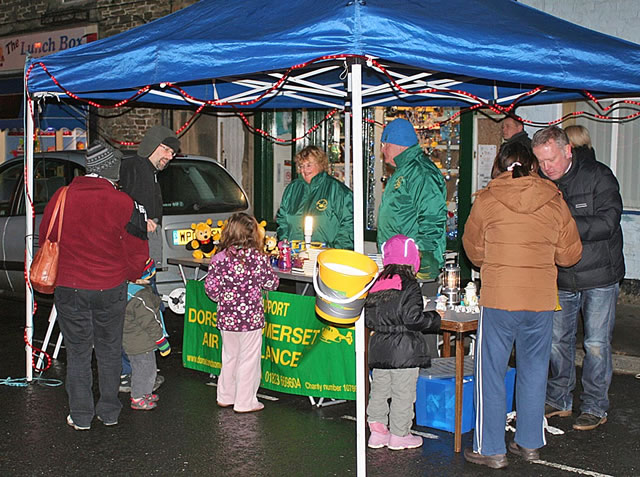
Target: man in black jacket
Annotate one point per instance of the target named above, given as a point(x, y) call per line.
point(138, 178)
point(591, 286)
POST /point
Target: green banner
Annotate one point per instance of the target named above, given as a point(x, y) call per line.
point(301, 354)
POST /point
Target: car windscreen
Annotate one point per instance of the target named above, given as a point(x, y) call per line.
point(197, 187)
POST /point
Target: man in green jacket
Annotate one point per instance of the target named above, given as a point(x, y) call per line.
point(315, 193)
point(414, 201)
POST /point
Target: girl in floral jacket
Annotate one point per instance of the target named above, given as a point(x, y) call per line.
point(237, 275)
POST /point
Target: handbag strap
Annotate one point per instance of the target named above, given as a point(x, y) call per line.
point(62, 198)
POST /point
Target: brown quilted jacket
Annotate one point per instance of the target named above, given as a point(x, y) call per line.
point(518, 231)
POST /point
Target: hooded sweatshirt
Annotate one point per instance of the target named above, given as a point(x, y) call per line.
point(517, 232)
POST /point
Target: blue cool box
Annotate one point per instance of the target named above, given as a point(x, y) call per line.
point(436, 395)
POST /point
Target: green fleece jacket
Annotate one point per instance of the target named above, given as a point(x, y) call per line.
point(328, 200)
point(142, 322)
point(414, 203)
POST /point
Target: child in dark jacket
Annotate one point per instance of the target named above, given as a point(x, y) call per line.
point(143, 334)
point(397, 345)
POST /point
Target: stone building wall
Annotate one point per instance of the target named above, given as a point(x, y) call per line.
point(112, 17)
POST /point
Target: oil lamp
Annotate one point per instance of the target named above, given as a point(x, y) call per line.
point(451, 282)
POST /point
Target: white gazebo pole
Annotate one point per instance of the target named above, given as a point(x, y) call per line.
point(347, 149)
point(358, 243)
point(28, 170)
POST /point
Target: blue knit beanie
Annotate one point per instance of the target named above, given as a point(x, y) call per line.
point(400, 132)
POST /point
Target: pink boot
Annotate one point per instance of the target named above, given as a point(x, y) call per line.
point(379, 435)
point(407, 442)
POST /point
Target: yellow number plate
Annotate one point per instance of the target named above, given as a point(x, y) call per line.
point(184, 236)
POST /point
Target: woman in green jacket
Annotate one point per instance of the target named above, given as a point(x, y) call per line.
point(315, 193)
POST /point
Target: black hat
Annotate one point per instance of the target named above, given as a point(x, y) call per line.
point(104, 160)
point(154, 137)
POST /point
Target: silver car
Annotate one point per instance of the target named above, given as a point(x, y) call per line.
point(194, 189)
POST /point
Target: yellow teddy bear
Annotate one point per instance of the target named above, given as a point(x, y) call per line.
point(203, 244)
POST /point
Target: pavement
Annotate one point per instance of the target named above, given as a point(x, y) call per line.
point(189, 435)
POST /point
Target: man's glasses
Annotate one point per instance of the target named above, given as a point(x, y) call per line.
point(168, 149)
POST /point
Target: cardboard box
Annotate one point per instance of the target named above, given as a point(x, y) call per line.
point(436, 396)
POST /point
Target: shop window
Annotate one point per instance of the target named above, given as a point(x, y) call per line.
point(438, 131)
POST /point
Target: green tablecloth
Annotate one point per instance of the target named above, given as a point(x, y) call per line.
point(301, 354)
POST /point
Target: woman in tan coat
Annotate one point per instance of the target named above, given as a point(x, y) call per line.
point(519, 229)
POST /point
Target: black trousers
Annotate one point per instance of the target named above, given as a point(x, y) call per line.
point(92, 320)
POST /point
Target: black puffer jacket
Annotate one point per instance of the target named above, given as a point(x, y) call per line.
point(584, 153)
point(398, 322)
point(593, 196)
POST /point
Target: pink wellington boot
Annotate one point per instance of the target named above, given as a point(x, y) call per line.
point(379, 435)
point(407, 442)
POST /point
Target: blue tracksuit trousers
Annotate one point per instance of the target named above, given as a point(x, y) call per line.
point(498, 331)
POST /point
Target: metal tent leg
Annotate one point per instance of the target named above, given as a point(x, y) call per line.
point(321, 402)
point(52, 321)
point(58, 345)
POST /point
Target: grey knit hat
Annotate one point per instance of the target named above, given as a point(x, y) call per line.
point(104, 160)
point(154, 137)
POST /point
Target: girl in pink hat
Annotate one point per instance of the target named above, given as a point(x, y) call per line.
point(397, 346)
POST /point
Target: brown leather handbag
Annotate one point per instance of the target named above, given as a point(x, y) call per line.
point(44, 268)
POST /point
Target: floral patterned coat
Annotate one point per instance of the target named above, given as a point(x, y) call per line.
point(235, 280)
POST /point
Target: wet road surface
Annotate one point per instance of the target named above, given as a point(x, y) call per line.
point(189, 435)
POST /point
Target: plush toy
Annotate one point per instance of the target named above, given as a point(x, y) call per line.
point(218, 233)
point(270, 245)
point(262, 230)
point(203, 244)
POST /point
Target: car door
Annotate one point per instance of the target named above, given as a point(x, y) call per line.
point(49, 174)
point(11, 179)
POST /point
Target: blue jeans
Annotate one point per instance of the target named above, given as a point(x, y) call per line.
point(126, 364)
point(598, 306)
point(92, 320)
point(498, 332)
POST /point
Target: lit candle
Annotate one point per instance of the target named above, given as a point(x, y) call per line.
point(308, 226)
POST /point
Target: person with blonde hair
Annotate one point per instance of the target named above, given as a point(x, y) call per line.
point(580, 141)
point(315, 193)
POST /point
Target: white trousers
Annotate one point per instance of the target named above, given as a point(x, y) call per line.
point(241, 371)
